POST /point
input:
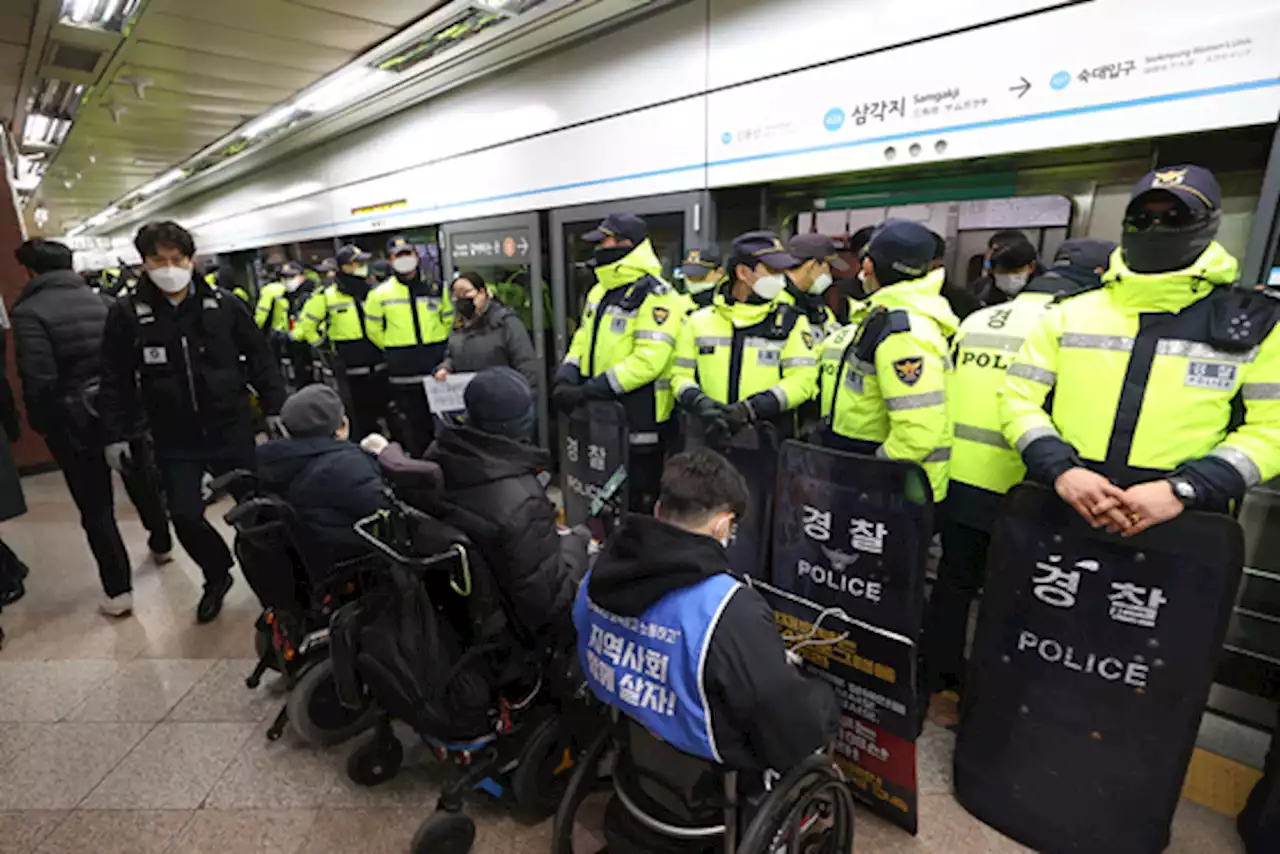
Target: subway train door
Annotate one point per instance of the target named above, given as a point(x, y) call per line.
point(507, 252)
point(676, 222)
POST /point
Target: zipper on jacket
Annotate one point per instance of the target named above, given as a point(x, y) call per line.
point(191, 378)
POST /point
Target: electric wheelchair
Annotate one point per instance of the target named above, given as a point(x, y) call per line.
point(433, 645)
point(299, 587)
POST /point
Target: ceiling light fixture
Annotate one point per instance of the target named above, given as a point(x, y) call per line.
point(269, 121)
point(166, 180)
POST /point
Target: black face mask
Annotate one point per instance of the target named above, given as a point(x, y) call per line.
point(1162, 249)
point(611, 255)
point(466, 307)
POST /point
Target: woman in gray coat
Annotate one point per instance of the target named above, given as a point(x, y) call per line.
point(486, 334)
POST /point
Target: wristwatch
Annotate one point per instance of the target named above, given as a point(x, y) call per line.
point(1183, 490)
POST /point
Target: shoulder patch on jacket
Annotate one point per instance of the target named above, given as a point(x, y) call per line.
point(660, 314)
point(807, 338)
point(910, 369)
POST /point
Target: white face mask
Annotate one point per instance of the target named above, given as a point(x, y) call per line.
point(293, 284)
point(820, 284)
point(1011, 283)
point(768, 287)
point(404, 263)
point(170, 280)
point(697, 287)
point(361, 271)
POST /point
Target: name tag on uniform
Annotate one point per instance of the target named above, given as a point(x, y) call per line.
point(1214, 376)
point(618, 324)
point(853, 381)
point(429, 303)
point(769, 358)
point(155, 356)
point(707, 350)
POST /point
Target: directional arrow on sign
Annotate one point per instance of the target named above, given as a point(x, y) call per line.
point(1023, 88)
point(524, 246)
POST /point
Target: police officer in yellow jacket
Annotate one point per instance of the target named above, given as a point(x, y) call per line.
point(624, 346)
point(703, 273)
point(272, 313)
point(747, 357)
point(808, 283)
point(409, 317)
point(337, 315)
point(983, 465)
point(1165, 382)
point(884, 382)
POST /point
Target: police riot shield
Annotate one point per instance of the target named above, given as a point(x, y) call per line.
point(594, 458)
point(852, 532)
point(754, 453)
point(1090, 670)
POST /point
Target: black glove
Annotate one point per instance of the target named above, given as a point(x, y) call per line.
point(567, 397)
point(714, 417)
point(597, 389)
point(739, 416)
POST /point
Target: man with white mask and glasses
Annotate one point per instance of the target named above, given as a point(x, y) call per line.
point(172, 365)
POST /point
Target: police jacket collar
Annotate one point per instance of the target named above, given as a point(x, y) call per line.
point(920, 296)
point(742, 314)
point(648, 559)
point(50, 280)
point(148, 293)
point(635, 265)
point(353, 286)
point(1173, 291)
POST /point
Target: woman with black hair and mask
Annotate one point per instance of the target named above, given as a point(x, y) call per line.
point(486, 334)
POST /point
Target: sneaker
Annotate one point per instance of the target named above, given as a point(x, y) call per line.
point(211, 602)
point(161, 558)
point(117, 606)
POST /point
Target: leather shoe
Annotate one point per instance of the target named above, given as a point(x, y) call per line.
point(211, 602)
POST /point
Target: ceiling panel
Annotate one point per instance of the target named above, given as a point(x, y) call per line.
point(156, 98)
point(207, 85)
point(198, 63)
point(393, 13)
point(16, 17)
point(237, 45)
point(282, 19)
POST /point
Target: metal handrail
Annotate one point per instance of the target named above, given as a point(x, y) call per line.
point(416, 561)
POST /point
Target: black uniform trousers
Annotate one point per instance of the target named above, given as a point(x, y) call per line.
point(142, 483)
point(366, 398)
point(182, 468)
point(961, 574)
point(89, 480)
point(416, 427)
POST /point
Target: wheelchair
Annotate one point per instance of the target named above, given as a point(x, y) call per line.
point(299, 589)
point(671, 801)
point(433, 646)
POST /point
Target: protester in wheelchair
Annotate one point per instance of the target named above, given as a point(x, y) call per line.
point(489, 467)
point(330, 482)
point(669, 637)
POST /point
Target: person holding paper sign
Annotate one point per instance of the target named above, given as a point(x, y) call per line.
point(486, 334)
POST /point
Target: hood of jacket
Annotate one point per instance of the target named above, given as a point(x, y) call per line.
point(646, 560)
point(353, 286)
point(280, 461)
point(1173, 291)
point(635, 265)
point(921, 296)
point(51, 280)
point(470, 458)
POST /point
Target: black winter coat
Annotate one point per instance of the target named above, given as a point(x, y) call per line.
point(495, 339)
point(495, 480)
point(331, 485)
point(764, 713)
point(57, 327)
point(181, 367)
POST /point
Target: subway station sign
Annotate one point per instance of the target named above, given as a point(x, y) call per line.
point(494, 248)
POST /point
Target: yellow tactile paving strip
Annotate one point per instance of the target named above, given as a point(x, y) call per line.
point(1218, 783)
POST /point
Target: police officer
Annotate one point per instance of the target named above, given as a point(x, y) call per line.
point(624, 345)
point(884, 382)
point(807, 283)
point(338, 314)
point(409, 318)
point(983, 466)
point(172, 354)
point(272, 313)
point(703, 272)
point(1165, 381)
point(747, 357)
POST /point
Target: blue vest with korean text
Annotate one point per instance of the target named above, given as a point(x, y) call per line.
point(651, 667)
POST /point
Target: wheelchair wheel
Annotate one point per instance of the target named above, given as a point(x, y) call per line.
point(581, 784)
point(377, 761)
point(810, 811)
point(317, 714)
point(445, 833)
point(546, 764)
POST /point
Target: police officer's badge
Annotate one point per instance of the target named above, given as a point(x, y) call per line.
point(909, 370)
point(660, 315)
point(807, 338)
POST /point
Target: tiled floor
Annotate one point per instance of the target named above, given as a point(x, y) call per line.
point(139, 736)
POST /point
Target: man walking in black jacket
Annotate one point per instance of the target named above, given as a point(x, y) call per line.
point(58, 322)
point(172, 356)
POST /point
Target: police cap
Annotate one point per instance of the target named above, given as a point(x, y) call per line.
point(817, 247)
point(290, 268)
point(399, 245)
point(352, 254)
point(623, 226)
point(1085, 253)
point(328, 265)
point(900, 250)
point(1194, 185)
point(700, 262)
point(765, 248)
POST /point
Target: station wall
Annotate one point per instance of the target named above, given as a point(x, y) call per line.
point(717, 93)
